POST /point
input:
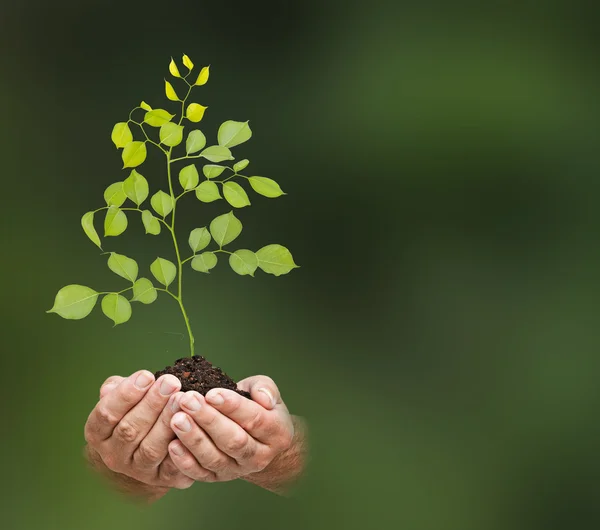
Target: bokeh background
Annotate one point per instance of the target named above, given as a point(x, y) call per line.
point(441, 336)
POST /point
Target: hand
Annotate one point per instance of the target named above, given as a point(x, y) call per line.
point(130, 429)
point(226, 436)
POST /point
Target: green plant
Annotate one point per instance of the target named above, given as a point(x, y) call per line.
point(77, 301)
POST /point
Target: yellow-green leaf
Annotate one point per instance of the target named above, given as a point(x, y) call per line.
point(187, 62)
point(275, 259)
point(157, 117)
point(195, 112)
point(87, 223)
point(74, 302)
point(171, 134)
point(208, 191)
point(164, 271)
point(188, 177)
point(134, 154)
point(121, 134)
point(117, 308)
point(162, 203)
point(203, 76)
point(243, 262)
point(151, 223)
point(204, 262)
point(115, 222)
point(123, 266)
point(217, 153)
point(173, 69)
point(241, 165)
point(136, 187)
point(212, 171)
point(225, 228)
point(199, 239)
point(232, 133)
point(114, 194)
point(145, 106)
point(170, 91)
point(195, 142)
point(144, 291)
point(235, 195)
point(267, 187)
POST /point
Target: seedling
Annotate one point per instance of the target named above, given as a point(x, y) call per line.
point(75, 302)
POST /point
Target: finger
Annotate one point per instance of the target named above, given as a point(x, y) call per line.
point(136, 424)
point(187, 463)
point(263, 390)
point(108, 385)
point(227, 435)
point(261, 424)
point(201, 446)
point(112, 408)
point(170, 474)
point(153, 449)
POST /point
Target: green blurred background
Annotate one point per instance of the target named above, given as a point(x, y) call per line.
point(441, 337)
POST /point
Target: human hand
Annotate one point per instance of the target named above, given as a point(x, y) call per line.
point(226, 436)
point(129, 429)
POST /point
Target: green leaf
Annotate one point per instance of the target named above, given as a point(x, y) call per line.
point(123, 266)
point(195, 142)
point(163, 270)
point(195, 112)
point(121, 134)
point(115, 222)
point(188, 177)
point(134, 154)
point(212, 171)
point(173, 68)
point(87, 223)
point(208, 191)
point(217, 153)
point(225, 228)
point(157, 117)
point(235, 195)
point(136, 188)
point(188, 63)
point(162, 203)
point(199, 239)
point(114, 194)
point(145, 106)
point(267, 187)
point(232, 133)
point(241, 165)
point(275, 259)
point(74, 302)
point(170, 92)
point(151, 223)
point(243, 262)
point(204, 262)
point(203, 76)
point(117, 308)
point(171, 134)
point(144, 291)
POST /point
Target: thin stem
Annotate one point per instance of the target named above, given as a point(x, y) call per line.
point(141, 126)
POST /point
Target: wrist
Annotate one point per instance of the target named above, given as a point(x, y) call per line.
point(124, 484)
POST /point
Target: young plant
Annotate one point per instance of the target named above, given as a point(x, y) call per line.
point(77, 301)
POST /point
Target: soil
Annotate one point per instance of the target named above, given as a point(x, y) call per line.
point(196, 373)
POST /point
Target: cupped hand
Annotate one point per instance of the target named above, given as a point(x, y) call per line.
point(226, 436)
point(130, 428)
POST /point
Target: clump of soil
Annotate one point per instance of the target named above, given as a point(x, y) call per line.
point(196, 373)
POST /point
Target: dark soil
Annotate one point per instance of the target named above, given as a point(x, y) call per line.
point(196, 373)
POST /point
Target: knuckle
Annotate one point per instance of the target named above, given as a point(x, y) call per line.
point(105, 415)
point(110, 461)
point(126, 431)
point(148, 454)
point(237, 442)
point(217, 464)
point(256, 422)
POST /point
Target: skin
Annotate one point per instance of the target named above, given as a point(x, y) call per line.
point(147, 437)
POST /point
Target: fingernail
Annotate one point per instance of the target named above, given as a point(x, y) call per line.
point(167, 387)
point(215, 399)
point(143, 380)
point(269, 395)
point(192, 402)
point(183, 424)
point(175, 404)
point(177, 449)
